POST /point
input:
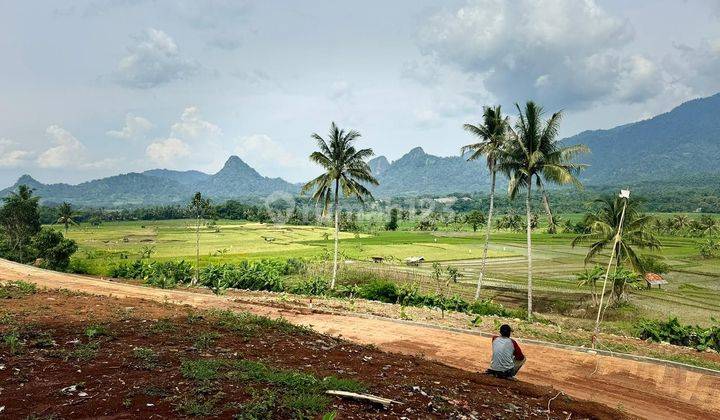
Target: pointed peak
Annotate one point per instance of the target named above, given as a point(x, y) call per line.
point(415, 153)
point(27, 180)
point(235, 162)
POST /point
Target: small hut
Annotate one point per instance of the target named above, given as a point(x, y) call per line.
point(653, 279)
point(414, 260)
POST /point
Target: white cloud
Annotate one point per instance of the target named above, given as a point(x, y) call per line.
point(425, 72)
point(135, 127)
point(191, 126)
point(698, 67)
point(69, 151)
point(10, 156)
point(262, 152)
point(167, 151)
point(565, 52)
point(154, 60)
point(427, 118)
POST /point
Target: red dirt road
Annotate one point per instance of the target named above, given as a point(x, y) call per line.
point(643, 389)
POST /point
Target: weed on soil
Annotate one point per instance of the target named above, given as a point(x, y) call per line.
point(78, 356)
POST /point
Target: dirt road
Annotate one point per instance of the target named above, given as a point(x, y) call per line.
point(643, 389)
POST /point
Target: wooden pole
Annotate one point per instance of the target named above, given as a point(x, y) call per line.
point(618, 236)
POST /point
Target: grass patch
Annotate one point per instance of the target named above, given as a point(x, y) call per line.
point(13, 342)
point(146, 358)
point(163, 326)
point(83, 352)
point(202, 370)
point(250, 325)
point(95, 331)
point(17, 290)
point(204, 341)
point(197, 406)
point(260, 407)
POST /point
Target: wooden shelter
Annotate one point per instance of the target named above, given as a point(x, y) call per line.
point(653, 279)
point(414, 260)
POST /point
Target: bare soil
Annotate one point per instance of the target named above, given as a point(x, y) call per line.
point(78, 357)
point(638, 388)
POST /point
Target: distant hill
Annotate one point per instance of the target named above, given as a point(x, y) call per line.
point(677, 149)
point(238, 179)
point(159, 186)
point(182, 177)
point(131, 189)
point(682, 143)
point(378, 165)
point(418, 173)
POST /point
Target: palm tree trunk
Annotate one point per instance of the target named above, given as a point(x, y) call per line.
point(529, 249)
point(197, 251)
point(546, 204)
point(337, 235)
point(487, 235)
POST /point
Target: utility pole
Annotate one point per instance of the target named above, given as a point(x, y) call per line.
point(625, 195)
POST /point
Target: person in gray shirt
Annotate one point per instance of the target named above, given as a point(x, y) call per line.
point(507, 357)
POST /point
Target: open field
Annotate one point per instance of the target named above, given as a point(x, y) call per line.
point(693, 293)
point(639, 388)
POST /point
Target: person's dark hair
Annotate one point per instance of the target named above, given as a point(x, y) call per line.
point(505, 330)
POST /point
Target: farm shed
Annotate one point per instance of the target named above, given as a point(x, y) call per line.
point(653, 279)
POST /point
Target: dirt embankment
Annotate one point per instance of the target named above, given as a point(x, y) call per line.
point(84, 356)
point(642, 389)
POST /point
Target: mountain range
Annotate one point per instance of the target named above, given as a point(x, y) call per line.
point(683, 144)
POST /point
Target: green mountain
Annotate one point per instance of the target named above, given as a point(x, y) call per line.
point(676, 145)
point(182, 177)
point(159, 186)
point(676, 151)
point(378, 165)
point(131, 189)
point(238, 179)
point(418, 173)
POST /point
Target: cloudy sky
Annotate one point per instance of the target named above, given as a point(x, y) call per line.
point(99, 87)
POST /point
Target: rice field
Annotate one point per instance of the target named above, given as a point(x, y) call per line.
point(693, 292)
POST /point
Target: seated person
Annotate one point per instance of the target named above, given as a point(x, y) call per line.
point(507, 358)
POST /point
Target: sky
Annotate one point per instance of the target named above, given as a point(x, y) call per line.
point(95, 88)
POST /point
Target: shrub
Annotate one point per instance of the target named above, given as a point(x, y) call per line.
point(294, 266)
point(380, 290)
point(54, 250)
point(159, 274)
point(258, 275)
point(315, 286)
point(673, 332)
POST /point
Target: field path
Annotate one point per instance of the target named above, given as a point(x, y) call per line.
point(644, 389)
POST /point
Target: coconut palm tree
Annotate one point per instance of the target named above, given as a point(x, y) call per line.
point(199, 207)
point(534, 155)
point(680, 221)
point(493, 134)
point(66, 216)
point(637, 232)
point(345, 168)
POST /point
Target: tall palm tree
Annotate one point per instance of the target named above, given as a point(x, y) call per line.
point(493, 134)
point(680, 221)
point(533, 155)
point(66, 216)
point(199, 208)
point(345, 168)
point(636, 232)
